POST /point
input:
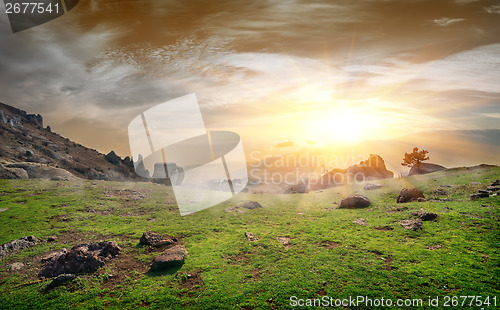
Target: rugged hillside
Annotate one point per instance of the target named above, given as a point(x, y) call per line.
point(30, 150)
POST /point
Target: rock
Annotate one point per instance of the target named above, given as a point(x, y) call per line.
point(52, 238)
point(474, 183)
point(112, 158)
point(355, 202)
point(82, 258)
point(493, 188)
point(16, 266)
point(371, 169)
point(283, 240)
point(249, 205)
point(409, 194)
point(251, 237)
point(299, 188)
point(171, 257)
point(424, 168)
point(12, 173)
point(3, 209)
point(371, 186)
point(2, 119)
point(411, 224)
point(360, 221)
point(484, 192)
point(156, 240)
point(425, 216)
point(496, 183)
point(17, 245)
point(60, 280)
point(479, 195)
point(40, 171)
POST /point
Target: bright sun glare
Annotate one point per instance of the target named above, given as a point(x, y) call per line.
point(342, 125)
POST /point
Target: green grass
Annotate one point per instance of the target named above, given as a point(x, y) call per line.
point(328, 254)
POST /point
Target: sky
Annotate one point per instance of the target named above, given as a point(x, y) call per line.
point(282, 74)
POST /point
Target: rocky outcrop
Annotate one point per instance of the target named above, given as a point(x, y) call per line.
point(424, 168)
point(112, 158)
point(355, 202)
point(171, 257)
point(12, 173)
point(371, 169)
point(40, 171)
point(83, 258)
point(409, 195)
point(17, 245)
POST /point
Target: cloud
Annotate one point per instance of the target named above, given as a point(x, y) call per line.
point(445, 21)
point(285, 144)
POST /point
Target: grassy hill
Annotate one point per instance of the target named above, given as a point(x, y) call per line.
point(328, 255)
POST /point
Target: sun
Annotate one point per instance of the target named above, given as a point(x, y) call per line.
point(341, 125)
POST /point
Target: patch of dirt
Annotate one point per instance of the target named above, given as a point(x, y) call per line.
point(241, 258)
point(330, 244)
point(192, 282)
point(128, 194)
point(256, 274)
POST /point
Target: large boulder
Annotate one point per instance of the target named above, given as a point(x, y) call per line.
point(12, 173)
point(41, 171)
point(424, 168)
point(156, 240)
point(355, 202)
point(171, 257)
point(82, 258)
point(249, 205)
point(410, 194)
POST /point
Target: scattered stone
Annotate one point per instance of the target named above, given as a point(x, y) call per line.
point(156, 240)
point(52, 238)
point(384, 228)
point(299, 188)
point(283, 240)
point(425, 216)
point(3, 209)
point(251, 237)
point(355, 202)
point(482, 191)
point(493, 188)
point(371, 186)
point(496, 183)
point(17, 245)
point(82, 258)
point(360, 221)
point(171, 257)
point(474, 183)
point(249, 205)
point(411, 224)
point(16, 266)
point(434, 247)
point(409, 194)
point(479, 195)
point(60, 280)
point(232, 209)
point(440, 192)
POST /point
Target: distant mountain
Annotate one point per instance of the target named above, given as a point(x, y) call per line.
point(28, 150)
